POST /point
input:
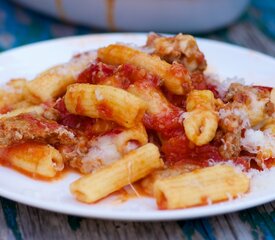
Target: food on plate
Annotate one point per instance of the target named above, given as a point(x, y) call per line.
point(144, 116)
point(199, 187)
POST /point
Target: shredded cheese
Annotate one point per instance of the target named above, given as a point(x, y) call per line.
point(240, 112)
point(256, 140)
point(98, 95)
point(144, 49)
point(222, 86)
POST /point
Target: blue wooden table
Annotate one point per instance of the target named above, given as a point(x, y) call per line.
point(18, 26)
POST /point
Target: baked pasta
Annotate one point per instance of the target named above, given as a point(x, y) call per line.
point(148, 117)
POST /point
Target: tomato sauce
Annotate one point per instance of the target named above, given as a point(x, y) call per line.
point(70, 120)
point(263, 88)
point(180, 149)
point(5, 109)
point(121, 77)
point(104, 110)
point(269, 162)
point(96, 73)
point(167, 125)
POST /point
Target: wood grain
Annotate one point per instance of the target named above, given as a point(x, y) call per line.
point(40, 224)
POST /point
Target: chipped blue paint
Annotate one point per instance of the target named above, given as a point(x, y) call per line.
point(10, 213)
point(200, 227)
point(261, 222)
point(74, 222)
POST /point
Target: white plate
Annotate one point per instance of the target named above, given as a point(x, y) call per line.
point(223, 59)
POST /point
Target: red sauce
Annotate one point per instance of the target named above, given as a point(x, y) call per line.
point(110, 12)
point(104, 110)
point(199, 81)
point(166, 124)
point(269, 162)
point(96, 73)
point(5, 109)
point(121, 77)
point(263, 88)
point(60, 9)
point(71, 120)
point(243, 162)
point(180, 149)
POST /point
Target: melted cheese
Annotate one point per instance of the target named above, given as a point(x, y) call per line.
point(98, 95)
point(103, 149)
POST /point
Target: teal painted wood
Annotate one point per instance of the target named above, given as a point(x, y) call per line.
point(255, 29)
point(10, 213)
point(22, 222)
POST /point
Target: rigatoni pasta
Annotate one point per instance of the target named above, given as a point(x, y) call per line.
point(36, 159)
point(201, 122)
point(202, 186)
point(53, 82)
point(175, 77)
point(105, 102)
point(132, 167)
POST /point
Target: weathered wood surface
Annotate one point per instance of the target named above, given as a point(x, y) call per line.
point(18, 221)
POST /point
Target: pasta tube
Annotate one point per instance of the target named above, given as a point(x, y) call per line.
point(132, 167)
point(12, 93)
point(102, 126)
point(176, 78)
point(49, 84)
point(200, 187)
point(201, 122)
point(53, 82)
point(158, 102)
point(33, 109)
point(200, 126)
point(203, 99)
point(105, 102)
point(36, 159)
point(137, 134)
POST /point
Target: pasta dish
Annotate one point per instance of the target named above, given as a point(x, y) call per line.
point(146, 117)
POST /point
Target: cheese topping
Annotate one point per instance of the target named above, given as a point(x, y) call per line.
point(103, 149)
point(256, 141)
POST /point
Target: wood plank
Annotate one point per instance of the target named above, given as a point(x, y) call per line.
point(40, 224)
point(230, 227)
point(248, 35)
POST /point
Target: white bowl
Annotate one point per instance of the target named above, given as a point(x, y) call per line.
point(144, 15)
